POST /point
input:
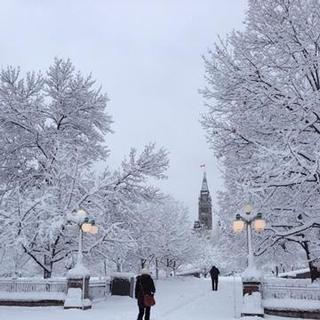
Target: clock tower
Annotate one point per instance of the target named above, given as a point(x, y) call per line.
point(205, 206)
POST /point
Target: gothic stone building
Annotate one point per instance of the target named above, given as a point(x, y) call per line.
point(205, 207)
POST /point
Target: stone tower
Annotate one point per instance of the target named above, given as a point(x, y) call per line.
point(205, 207)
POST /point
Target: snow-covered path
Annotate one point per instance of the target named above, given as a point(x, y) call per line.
point(177, 299)
point(194, 299)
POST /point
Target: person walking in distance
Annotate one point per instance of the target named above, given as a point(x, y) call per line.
point(144, 286)
point(214, 273)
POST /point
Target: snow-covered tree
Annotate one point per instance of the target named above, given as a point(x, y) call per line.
point(169, 234)
point(53, 129)
point(264, 118)
point(157, 234)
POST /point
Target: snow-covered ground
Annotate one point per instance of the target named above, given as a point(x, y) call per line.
point(177, 299)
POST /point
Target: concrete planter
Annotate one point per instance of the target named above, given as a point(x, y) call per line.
point(252, 301)
point(78, 293)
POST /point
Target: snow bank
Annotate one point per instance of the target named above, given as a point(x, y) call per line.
point(291, 304)
point(289, 282)
point(32, 296)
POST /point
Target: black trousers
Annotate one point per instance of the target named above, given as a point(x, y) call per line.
point(144, 310)
point(214, 284)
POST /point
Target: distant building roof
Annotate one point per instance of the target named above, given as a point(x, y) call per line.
point(293, 273)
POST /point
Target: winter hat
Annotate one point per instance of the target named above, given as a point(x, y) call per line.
point(145, 271)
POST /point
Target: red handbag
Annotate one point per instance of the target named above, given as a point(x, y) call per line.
point(148, 300)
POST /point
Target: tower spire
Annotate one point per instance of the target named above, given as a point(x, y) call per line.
point(204, 186)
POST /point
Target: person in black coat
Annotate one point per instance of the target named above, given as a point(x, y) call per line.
point(144, 285)
point(214, 273)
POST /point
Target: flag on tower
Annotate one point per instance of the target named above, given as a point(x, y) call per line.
point(202, 166)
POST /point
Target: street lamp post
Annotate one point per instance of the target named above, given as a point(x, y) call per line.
point(78, 277)
point(251, 278)
point(86, 224)
point(246, 221)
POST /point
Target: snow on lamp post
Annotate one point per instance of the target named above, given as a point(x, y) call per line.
point(78, 277)
point(251, 277)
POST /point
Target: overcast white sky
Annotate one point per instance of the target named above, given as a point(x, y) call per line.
point(147, 57)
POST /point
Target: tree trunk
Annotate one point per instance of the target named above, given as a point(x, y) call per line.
point(174, 268)
point(143, 262)
point(314, 274)
point(119, 265)
point(157, 269)
point(47, 272)
point(167, 268)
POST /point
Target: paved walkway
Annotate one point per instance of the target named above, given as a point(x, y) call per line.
point(184, 298)
point(191, 299)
